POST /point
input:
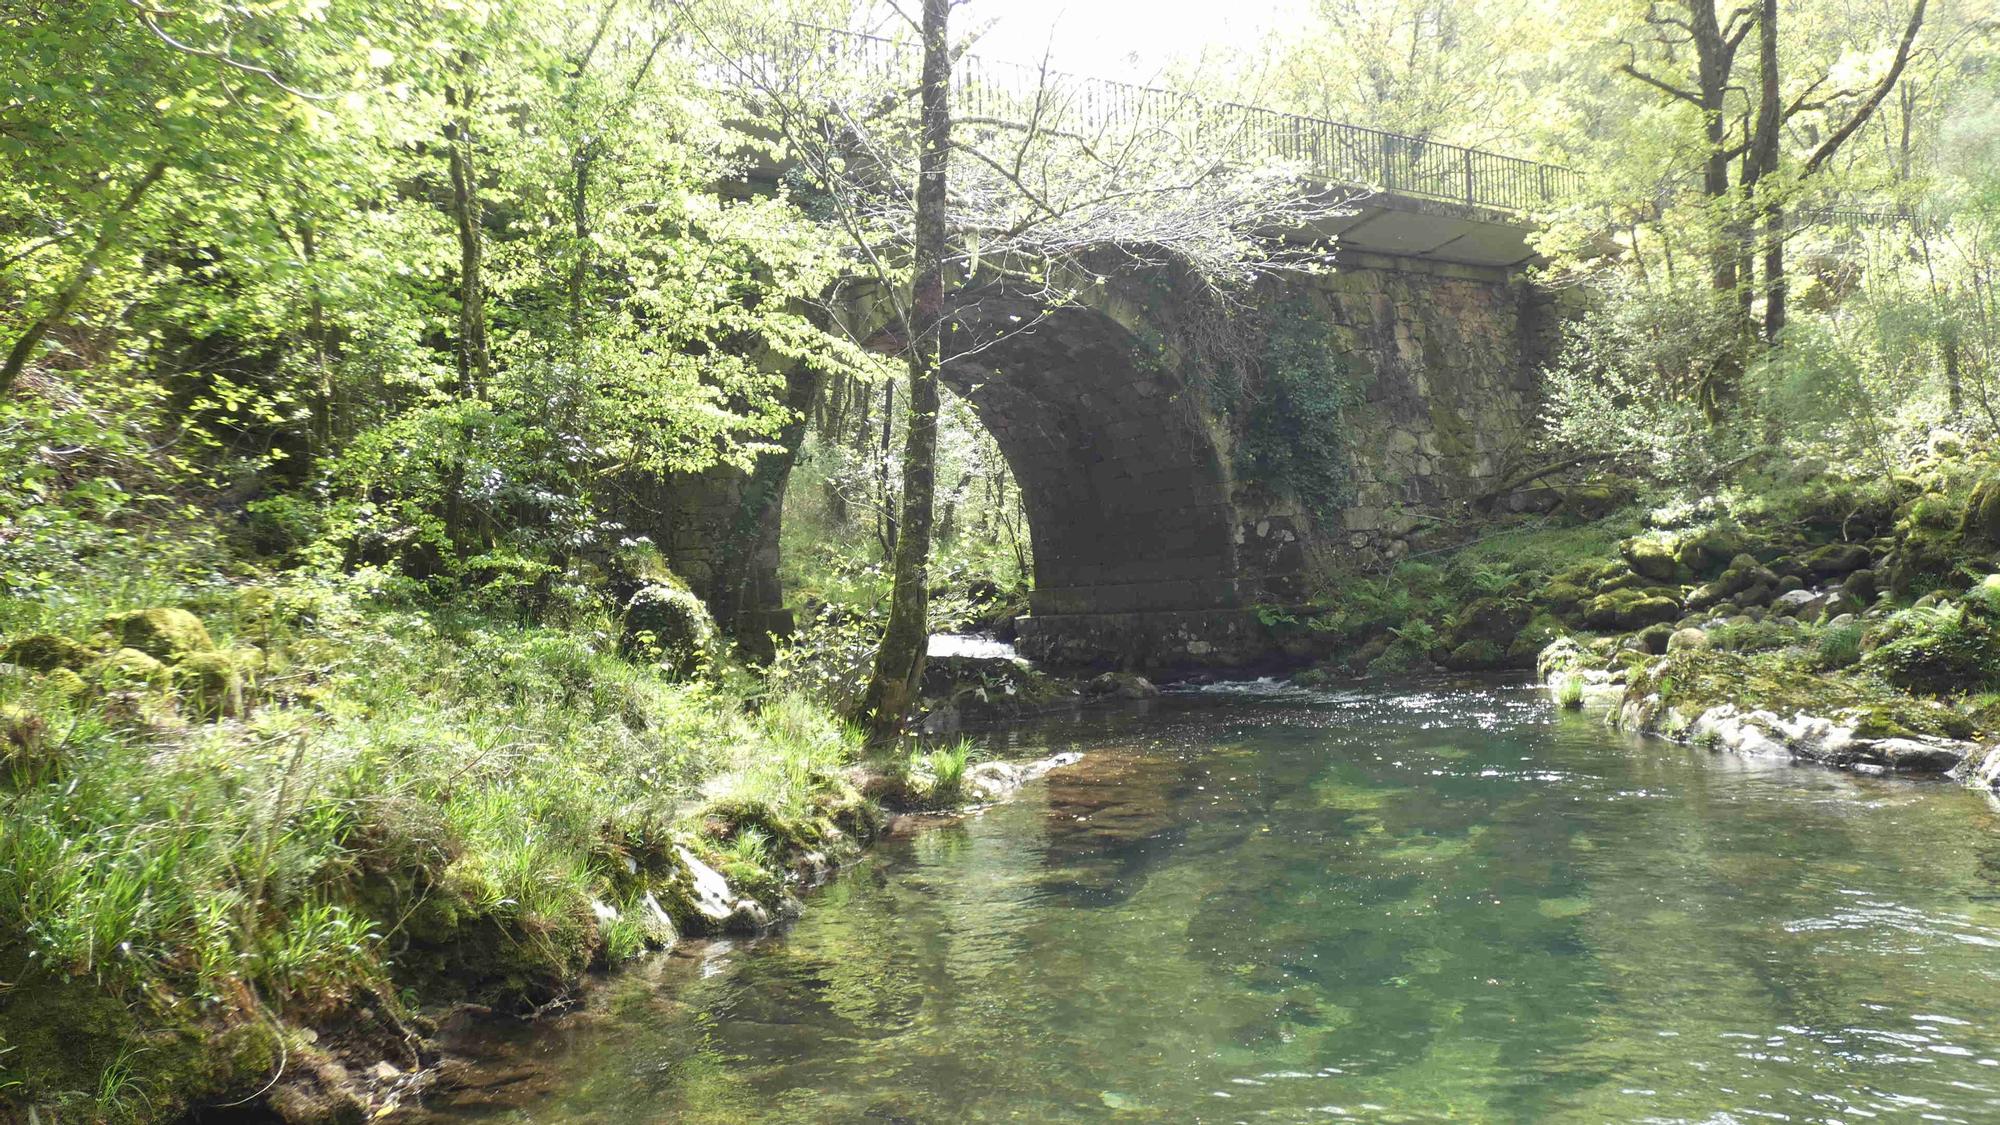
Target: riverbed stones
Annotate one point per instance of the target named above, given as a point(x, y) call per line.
point(1687, 638)
point(986, 782)
point(1122, 685)
point(712, 897)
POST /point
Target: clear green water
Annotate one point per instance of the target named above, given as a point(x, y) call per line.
point(1452, 904)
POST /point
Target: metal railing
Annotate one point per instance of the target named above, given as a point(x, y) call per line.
point(1105, 111)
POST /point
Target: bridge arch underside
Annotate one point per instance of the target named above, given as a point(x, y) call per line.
point(1126, 497)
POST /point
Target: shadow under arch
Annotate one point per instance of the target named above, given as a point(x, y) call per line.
point(1128, 496)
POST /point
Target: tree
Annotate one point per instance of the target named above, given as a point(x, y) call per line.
point(1756, 136)
point(1044, 197)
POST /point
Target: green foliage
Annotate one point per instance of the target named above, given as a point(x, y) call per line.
point(1938, 650)
point(1569, 692)
point(1839, 646)
point(1296, 436)
point(459, 791)
point(935, 776)
point(1627, 384)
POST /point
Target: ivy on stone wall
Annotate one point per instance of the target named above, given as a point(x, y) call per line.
point(1296, 438)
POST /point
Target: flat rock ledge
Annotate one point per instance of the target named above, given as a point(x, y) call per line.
point(989, 782)
point(1811, 738)
point(1756, 732)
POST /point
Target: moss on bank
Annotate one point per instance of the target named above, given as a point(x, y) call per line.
point(1869, 601)
point(317, 816)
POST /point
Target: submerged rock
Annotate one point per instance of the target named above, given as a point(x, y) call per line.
point(1123, 685)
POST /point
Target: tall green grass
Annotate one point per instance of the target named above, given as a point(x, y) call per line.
point(399, 786)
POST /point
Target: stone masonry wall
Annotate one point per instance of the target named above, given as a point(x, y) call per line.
point(1449, 359)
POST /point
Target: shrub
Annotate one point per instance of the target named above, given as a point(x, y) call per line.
point(1838, 646)
point(1569, 692)
point(667, 624)
point(1938, 650)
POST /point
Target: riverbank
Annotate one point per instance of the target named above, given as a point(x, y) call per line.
point(1438, 896)
point(264, 834)
point(1849, 620)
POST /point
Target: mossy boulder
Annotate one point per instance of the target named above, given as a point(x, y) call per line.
point(1938, 651)
point(665, 623)
point(1930, 546)
point(1861, 586)
point(1708, 551)
point(1541, 630)
point(167, 634)
point(66, 683)
point(46, 652)
point(1563, 596)
point(1649, 558)
point(1589, 501)
point(24, 744)
point(1476, 656)
point(1682, 640)
point(1490, 619)
point(210, 683)
point(1631, 609)
point(1561, 656)
point(126, 668)
point(1981, 522)
point(1835, 560)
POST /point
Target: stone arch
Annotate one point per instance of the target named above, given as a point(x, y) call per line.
point(1128, 496)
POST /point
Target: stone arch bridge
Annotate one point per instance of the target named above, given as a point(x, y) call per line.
point(1154, 538)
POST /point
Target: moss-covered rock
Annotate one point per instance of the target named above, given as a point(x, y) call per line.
point(25, 750)
point(1682, 640)
point(127, 668)
point(1649, 558)
point(1938, 651)
point(1981, 522)
point(666, 623)
point(46, 652)
point(1631, 609)
point(167, 634)
point(1589, 501)
point(66, 683)
point(1708, 551)
point(1930, 547)
point(210, 683)
point(1476, 656)
point(1835, 560)
point(1490, 619)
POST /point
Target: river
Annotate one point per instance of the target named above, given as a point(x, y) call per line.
point(1438, 902)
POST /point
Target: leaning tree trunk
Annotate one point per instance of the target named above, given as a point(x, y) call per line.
point(899, 663)
point(93, 260)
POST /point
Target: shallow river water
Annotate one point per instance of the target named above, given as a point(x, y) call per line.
point(1445, 902)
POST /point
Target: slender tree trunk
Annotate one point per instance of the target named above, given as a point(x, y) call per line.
point(1954, 381)
point(1764, 160)
point(323, 391)
point(475, 360)
point(885, 508)
point(579, 209)
point(899, 663)
point(93, 260)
